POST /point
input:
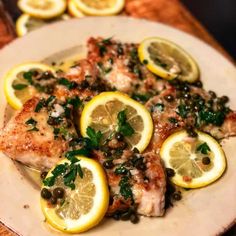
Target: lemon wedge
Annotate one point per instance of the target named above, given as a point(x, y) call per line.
point(102, 112)
point(42, 9)
point(197, 162)
point(17, 88)
point(168, 60)
point(74, 10)
point(26, 23)
point(100, 8)
point(79, 208)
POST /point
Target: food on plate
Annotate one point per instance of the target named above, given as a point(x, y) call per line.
point(42, 9)
point(143, 129)
point(196, 162)
point(74, 10)
point(112, 112)
point(100, 8)
point(74, 195)
point(26, 23)
point(23, 80)
point(168, 60)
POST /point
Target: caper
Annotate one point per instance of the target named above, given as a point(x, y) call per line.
point(46, 194)
point(107, 154)
point(116, 216)
point(58, 192)
point(206, 160)
point(177, 196)
point(125, 216)
point(170, 172)
point(196, 96)
point(108, 164)
point(201, 102)
point(198, 84)
point(119, 136)
point(135, 150)
point(191, 132)
point(212, 94)
point(219, 107)
point(84, 84)
point(169, 98)
point(43, 174)
point(224, 99)
point(187, 96)
point(186, 88)
point(53, 200)
point(134, 218)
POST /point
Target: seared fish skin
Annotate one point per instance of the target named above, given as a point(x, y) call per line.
point(33, 144)
point(147, 182)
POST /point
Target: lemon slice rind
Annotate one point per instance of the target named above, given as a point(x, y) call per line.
point(105, 97)
point(159, 70)
point(11, 75)
point(207, 177)
point(74, 10)
point(100, 204)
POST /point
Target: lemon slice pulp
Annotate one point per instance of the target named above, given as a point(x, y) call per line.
point(168, 60)
point(101, 7)
point(17, 88)
point(197, 162)
point(101, 113)
point(43, 9)
point(82, 207)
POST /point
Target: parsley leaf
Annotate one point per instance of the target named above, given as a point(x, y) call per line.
point(19, 86)
point(40, 105)
point(203, 148)
point(123, 126)
point(75, 102)
point(125, 188)
point(67, 83)
point(31, 121)
point(182, 111)
point(94, 136)
point(28, 76)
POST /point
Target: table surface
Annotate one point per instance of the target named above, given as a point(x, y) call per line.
point(171, 12)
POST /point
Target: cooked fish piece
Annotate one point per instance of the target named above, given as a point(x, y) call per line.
point(119, 66)
point(146, 179)
point(31, 137)
point(174, 109)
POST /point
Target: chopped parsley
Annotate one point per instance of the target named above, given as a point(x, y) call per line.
point(173, 120)
point(19, 86)
point(141, 97)
point(94, 136)
point(125, 188)
point(28, 76)
point(123, 126)
point(32, 123)
point(182, 111)
point(67, 83)
point(40, 105)
point(203, 148)
point(68, 171)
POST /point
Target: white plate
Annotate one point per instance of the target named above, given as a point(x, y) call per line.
point(206, 211)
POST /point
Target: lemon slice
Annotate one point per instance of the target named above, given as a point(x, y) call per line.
point(197, 162)
point(26, 23)
point(168, 60)
point(83, 207)
point(101, 114)
point(100, 8)
point(43, 9)
point(17, 88)
point(74, 10)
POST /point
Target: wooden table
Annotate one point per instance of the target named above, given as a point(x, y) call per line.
point(171, 12)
